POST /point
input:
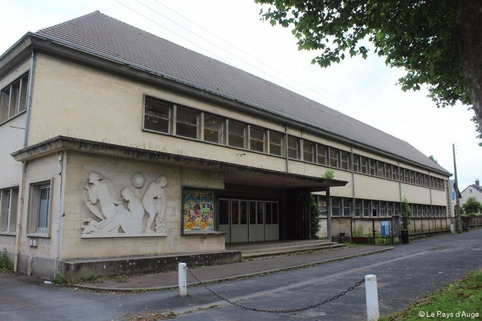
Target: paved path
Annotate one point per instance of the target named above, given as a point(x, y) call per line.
point(404, 274)
point(243, 269)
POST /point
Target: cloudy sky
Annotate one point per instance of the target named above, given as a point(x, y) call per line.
point(231, 31)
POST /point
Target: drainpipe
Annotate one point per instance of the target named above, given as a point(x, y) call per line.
point(24, 166)
point(286, 149)
point(29, 98)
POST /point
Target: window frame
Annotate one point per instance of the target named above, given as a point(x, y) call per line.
point(34, 211)
point(235, 137)
point(257, 144)
point(8, 210)
point(13, 98)
point(276, 142)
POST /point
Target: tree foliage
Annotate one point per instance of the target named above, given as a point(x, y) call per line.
point(437, 42)
point(406, 213)
point(472, 206)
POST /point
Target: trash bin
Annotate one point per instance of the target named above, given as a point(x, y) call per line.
point(405, 239)
point(341, 238)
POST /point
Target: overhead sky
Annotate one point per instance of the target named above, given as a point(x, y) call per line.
point(232, 32)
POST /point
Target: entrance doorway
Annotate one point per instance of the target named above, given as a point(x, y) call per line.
point(249, 220)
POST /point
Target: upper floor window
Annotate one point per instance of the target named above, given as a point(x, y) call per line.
point(276, 143)
point(214, 128)
point(334, 157)
point(157, 115)
point(257, 138)
point(308, 151)
point(13, 98)
point(345, 160)
point(321, 153)
point(237, 134)
point(187, 122)
point(293, 147)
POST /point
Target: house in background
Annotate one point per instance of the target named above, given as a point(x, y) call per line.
point(473, 190)
point(119, 144)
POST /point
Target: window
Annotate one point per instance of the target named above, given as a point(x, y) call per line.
point(308, 151)
point(276, 143)
point(394, 172)
point(257, 138)
point(187, 122)
point(388, 172)
point(366, 208)
point(380, 169)
point(364, 165)
point(335, 206)
point(373, 167)
point(358, 207)
point(347, 207)
point(345, 160)
point(39, 208)
point(237, 133)
point(383, 209)
point(213, 128)
point(157, 115)
point(356, 163)
point(334, 157)
point(13, 98)
point(374, 207)
point(293, 147)
point(8, 210)
point(321, 153)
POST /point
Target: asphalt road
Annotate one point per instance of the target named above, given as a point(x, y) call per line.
point(404, 275)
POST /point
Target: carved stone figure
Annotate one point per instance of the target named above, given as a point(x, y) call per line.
point(154, 201)
point(112, 216)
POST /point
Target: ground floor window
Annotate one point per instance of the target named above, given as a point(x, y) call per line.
point(8, 210)
point(39, 209)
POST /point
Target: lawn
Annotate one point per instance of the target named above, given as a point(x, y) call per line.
point(461, 300)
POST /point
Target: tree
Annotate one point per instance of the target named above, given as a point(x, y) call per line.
point(472, 206)
point(406, 213)
point(315, 213)
point(438, 42)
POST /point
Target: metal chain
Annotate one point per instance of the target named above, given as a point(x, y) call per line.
point(351, 288)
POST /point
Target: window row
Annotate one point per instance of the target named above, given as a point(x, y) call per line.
point(13, 98)
point(165, 117)
point(371, 208)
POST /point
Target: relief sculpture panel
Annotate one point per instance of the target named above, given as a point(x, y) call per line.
point(138, 211)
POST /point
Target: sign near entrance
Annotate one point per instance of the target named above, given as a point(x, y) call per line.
point(198, 211)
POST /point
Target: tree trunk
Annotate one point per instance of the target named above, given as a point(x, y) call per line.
point(469, 30)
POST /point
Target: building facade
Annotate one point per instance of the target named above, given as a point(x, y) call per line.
point(473, 190)
point(117, 143)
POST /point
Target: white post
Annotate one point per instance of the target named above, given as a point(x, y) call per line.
point(372, 297)
point(182, 279)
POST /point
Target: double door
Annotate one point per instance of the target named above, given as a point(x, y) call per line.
point(249, 220)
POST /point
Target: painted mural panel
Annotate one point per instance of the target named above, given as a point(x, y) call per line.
point(198, 211)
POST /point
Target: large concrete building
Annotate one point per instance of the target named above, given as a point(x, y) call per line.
point(117, 143)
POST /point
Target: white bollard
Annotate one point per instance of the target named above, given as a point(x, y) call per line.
point(182, 273)
point(371, 292)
